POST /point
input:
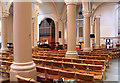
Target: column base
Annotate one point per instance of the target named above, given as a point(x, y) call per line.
point(4, 49)
point(87, 49)
point(27, 70)
point(71, 54)
point(97, 46)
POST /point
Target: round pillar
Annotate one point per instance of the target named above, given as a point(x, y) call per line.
point(22, 23)
point(33, 27)
point(56, 31)
point(63, 24)
point(86, 31)
point(71, 21)
point(97, 32)
point(4, 32)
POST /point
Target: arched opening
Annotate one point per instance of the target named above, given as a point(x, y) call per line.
point(47, 33)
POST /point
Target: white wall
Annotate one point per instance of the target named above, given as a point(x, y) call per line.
point(0, 30)
point(108, 20)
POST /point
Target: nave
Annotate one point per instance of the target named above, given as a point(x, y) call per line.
point(96, 66)
point(59, 41)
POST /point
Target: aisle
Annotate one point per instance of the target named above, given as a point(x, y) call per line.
point(112, 75)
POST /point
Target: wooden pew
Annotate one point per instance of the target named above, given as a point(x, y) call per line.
point(41, 73)
point(55, 74)
point(84, 78)
point(95, 58)
point(5, 67)
point(86, 61)
point(83, 68)
point(25, 80)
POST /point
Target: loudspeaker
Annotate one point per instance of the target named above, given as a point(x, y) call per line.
point(92, 35)
point(59, 34)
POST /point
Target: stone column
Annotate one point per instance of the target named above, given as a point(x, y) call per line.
point(78, 25)
point(35, 30)
point(92, 39)
point(4, 31)
point(77, 32)
point(86, 15)
point(65, 33)
point(87, 33)
point(35, 25)
point(71, 21)
point(63, 24)
point(32, 30)
point(97, 32)
point(22, 23)
point(56, 31)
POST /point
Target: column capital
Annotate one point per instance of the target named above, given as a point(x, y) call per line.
point(86, 13)
point(5, 13)
point(71, 2)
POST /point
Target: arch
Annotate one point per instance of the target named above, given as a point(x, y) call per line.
point(47, 19)
point(44, 17)
point(64, 13)
point(47, 32)
point(92, 16)
point(55, 9)
point(9, 4)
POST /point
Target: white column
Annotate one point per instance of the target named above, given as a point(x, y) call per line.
point(63, 33)
point(86, 15)
point(78, 25)
point(4, 31)
point(35, 30)
point(97, 32)
point(71, 21)
point(33, 34)
point(22, 23)
point(77, 32)
point(56, 31)
point(61, 28)
point(86, 33)
point(92, 39)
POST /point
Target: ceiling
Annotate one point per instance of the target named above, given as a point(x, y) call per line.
point(11, 9)
point(59, 6)
point(46, 8)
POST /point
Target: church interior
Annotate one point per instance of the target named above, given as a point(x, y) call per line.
point(59, 41)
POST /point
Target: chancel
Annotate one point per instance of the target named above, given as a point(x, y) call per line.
point(59, 41)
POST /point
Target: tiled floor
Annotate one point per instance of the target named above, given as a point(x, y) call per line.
point(113, 72)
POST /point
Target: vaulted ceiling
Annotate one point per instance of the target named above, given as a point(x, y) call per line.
point(46, 8)
point(59, 6)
